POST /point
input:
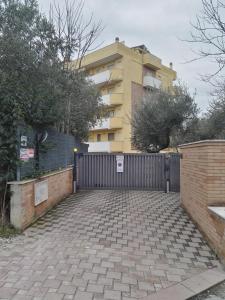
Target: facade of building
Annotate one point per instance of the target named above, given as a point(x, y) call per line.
point(122, 75)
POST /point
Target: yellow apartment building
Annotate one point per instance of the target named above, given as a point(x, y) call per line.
point(123, 75)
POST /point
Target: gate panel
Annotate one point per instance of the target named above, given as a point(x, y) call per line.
point(174, 170)
point(141, 171)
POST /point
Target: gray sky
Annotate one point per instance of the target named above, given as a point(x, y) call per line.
point(160, 25)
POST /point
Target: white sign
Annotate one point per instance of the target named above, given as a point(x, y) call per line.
point(41, 192)
point(23, 141)
point(119, 163)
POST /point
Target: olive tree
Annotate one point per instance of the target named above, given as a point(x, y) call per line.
point(160, 117)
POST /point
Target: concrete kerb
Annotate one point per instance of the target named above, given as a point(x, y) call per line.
point(192, 286)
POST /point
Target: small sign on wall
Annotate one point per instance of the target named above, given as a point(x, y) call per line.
point(23, 141)
point(119, 163)
point(41, 192)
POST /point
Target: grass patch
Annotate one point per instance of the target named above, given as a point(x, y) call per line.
point(8, 231)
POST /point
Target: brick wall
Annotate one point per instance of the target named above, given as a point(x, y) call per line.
point(203, 185)
point(23, 210)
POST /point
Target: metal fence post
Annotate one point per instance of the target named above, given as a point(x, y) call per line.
point(167, 173)
point(75, 171)
point(18, 172)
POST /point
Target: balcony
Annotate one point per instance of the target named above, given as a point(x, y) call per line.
point(113, 99)
point(114, 146)
point(102, 124)
point(107, 77)
point(102, 56)
point(108, 123)
point(116, 123)
point(151, 61)
point(150, 81)
point(99, 147)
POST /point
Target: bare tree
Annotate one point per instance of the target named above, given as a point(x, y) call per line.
point(75, 33)
point(209, 33)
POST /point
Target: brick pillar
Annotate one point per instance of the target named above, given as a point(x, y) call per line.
point(203, 185)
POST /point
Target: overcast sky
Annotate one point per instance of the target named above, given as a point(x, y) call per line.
point(160, 25)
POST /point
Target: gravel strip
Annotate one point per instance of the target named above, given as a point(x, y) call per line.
point(215, 293)
point(6, 241)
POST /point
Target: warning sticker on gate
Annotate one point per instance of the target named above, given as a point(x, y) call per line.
point(26, 153)
point(24, 156)
point(119, 163)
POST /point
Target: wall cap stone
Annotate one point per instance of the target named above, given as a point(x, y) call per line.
point(219, 211)
point(201, 143)
point(22, 182)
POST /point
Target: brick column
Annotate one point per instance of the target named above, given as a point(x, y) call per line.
point(203, 185)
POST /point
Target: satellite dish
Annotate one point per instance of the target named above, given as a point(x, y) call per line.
point(42, 137)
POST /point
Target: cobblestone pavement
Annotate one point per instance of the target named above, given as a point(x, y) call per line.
point(104, 245)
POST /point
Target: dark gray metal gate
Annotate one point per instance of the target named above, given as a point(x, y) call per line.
point(141, 171)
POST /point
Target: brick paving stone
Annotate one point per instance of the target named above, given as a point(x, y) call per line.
point(54, 296)
point(105, 281)
point(137, 293)
point(95, 288)
point(90, 276)
point(112, 295)
point(7, 292)
point(113, 275)
point(102, 245)
point(52, 283)
point(99, 270)
point(121, 287)
point(67, 289)
point(83, 296)
point(146, 286)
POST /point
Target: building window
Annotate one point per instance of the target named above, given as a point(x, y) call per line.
point(111, 136)
point(98, 137)
point(110, 114)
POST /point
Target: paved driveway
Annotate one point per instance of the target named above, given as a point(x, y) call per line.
point(104, 245)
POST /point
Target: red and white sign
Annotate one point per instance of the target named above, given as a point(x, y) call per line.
point(26, 153)
point(30, 152)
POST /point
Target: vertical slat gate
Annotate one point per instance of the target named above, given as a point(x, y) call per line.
point(141, 171)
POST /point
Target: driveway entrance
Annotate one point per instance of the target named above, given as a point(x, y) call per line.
point(105, 245)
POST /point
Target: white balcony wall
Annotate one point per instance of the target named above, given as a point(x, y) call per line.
point(100, 77)
point(150, 81)
point(99, 147)
point(106, 99)
point(102, 124)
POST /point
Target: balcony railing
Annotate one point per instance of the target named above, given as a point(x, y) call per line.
point(108, 76)
point(112, 99)
point(150, 81)
point(108, 123)
point(114, 146)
